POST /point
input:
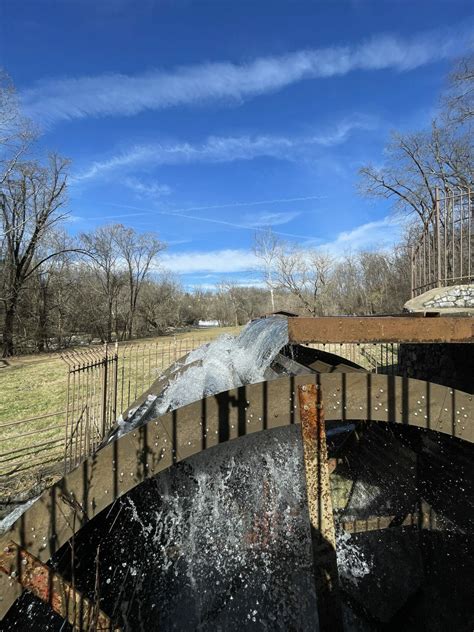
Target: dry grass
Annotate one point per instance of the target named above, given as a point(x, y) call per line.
point(35, 384)
point(31, 386)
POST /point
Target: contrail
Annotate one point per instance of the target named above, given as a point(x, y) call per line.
point(176, 213)
point(256, 203)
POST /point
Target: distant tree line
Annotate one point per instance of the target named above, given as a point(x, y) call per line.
point(315, 283)
point(56, 290)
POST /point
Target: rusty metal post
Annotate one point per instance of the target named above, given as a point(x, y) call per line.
point(318, 490)
point(469, 236)
point(49, 586)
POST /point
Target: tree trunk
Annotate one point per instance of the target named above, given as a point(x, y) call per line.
point(42, 335)
point(272, 298)
point(8, 325)
point(109, 322)
point(130, 323)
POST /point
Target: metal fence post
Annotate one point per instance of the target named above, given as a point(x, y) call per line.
point(469, 235)
point(104, 391)
point(115, 394)
point(66, 436)
point(438, 241)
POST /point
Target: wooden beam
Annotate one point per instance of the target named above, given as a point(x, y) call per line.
point(371, 329)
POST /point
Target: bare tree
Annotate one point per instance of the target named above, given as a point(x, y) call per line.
point(459, 102)
point(266, 248)
point(348, 286)
point(306, 274)
point(442, 156)
point(160, 306)
point(416, 165)
point(53, 288)
point(404, 178)
point(120, 260)
point(108, 276)
point(138, 252)
point(226, 303)
point(372, 282)
point(16, 132)
point(31, 203)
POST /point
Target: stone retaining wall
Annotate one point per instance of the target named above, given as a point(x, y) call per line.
point(454, 297)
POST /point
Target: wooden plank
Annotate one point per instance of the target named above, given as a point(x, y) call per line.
point(370, 329)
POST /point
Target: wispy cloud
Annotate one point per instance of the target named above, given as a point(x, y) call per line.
point(369, 236)
point(256, 225)
point(218, 261)
point(260, 220)
point(383, 233)
point(73, 218)
point(217, 149)
point(146, 189)
point(114, 94)
point(240, 203)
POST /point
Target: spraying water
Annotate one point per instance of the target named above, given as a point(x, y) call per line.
point(228, 362)
point(225, 363)
point(219, 542)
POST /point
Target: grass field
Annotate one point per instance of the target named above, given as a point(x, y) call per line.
point(33, 386)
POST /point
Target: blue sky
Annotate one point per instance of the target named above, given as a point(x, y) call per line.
point(206, 121)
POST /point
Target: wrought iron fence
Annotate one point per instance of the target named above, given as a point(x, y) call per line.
point(104, 384)
point(100, 384)
point(91, 407)
point(444, 253)
point(27, 443)
point(379, 357)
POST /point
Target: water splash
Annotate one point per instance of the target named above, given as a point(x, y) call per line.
point(228, 362)
point(352, 563)
point(15, 514)
point(224, 539)
point(225, 363)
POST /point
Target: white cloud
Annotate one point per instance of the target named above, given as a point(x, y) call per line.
point(370, 236)
point(217, 149)
point(380, 234)
point(218, 261)
point(117, 94)
point(260, 220)
point(146, 189)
